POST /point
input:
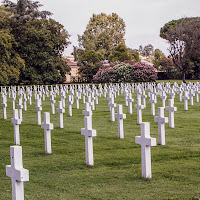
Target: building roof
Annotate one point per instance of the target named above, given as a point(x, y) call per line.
point(71, 63)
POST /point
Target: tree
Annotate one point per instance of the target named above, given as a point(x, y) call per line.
point(11, 64)
point(41, 44)
point(140, 49)
point(120, 54)
point(158, 55)
point(26, 10)
point(88, 70)
point(134, 54)
point(103, 32)
point(184, 39)
point(147, 50)
point(4, 13)
point(90, 56)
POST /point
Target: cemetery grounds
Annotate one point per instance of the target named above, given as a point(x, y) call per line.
point(116, 173)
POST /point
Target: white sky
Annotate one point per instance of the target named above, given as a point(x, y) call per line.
point(143, 18)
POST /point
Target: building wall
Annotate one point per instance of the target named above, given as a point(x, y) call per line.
point(74, 74)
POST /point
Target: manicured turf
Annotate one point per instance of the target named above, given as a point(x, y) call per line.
point(116, 173)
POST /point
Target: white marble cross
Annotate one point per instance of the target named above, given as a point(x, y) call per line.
point(52, 102)
point(139, 108)
point(88, 132)
point(38, 108)
point(191, 95)
point(96, 94)
point(83, 95)
point(92, 101)
point(60, 111)
point(63, 97)
point(171, 110)
point(146, 142)
point(180, 93)
point(24, 102)
point(185, 97)
point(120, 116)
point(163, 97)
point(126, 97)
point(47, 126)
point(105, 91)
point(87, 112)
point(69, 102)
point(155, 95)
point(30, 97)
point(13, 99)
point(17, 173)
point(16, 121)
point(4, 105)
point(161, 119)
point(130, 102)
point(20, 106)
point(77, 100)
point(144, 96)
point(172, 94)
point(112, 106)
point(152, 101)
point(197, 92)
point(109, 100)
point(43, 94)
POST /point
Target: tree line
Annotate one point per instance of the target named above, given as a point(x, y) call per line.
point(32, 44)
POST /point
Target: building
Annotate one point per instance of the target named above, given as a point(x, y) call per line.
point(73, 76)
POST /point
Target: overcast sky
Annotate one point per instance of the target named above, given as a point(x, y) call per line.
point(143, 18)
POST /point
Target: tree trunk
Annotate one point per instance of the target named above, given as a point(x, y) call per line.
point(183, 77)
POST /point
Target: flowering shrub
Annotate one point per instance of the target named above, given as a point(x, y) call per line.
point(125, 72)
point(143, 73)
point(105, 75)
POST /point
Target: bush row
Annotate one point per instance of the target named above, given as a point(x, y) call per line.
point(125, 72)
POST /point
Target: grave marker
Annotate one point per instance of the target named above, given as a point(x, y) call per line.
point(120, 116)
point(60, 111)
point(139, 108)
point(171, 110)
point(38, 108)
point(130, 101)
point(185, 97)
point(16, 121)
point(146, 142)
point(112, 106)
point(161, 119)
point(47, 126)
point(88, 132)
point(20, 107)
point(17, 173)
point(4, 105)
point(69, 102)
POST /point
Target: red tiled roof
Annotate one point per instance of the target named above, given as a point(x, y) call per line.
point(70, 63)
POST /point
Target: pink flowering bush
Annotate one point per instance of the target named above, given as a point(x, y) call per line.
point(143, 73)
point(105, 75)
point(125, 72)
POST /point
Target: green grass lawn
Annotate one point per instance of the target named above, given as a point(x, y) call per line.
point(116, 173)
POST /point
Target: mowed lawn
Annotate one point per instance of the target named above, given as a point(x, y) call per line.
point(116, 173)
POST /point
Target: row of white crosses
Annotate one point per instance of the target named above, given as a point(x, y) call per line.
point(115, 89)
point(15, 171)
point(89, 133)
